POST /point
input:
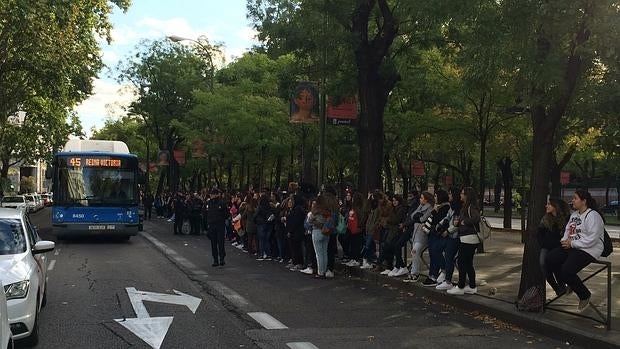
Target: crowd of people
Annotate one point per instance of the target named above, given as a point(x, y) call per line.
point(311, 232)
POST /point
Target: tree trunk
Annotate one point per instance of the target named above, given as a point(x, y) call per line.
point(388, 172)
point(505, 166)
point(229, 171)
point(497, 193)
point(278, 175)
point(483, 168)
point(403, 174)
point(242, 171)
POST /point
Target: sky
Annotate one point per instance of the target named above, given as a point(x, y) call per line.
point(222, 21)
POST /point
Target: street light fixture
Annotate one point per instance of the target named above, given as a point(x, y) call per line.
point(205, 47)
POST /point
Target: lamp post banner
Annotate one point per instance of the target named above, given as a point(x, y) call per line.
point(304, 103)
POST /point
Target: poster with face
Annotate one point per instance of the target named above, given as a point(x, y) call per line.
point(304, 105)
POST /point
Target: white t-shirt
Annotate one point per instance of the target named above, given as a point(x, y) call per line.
point(586, 231)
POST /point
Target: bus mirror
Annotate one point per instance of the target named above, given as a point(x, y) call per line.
point(49, 172)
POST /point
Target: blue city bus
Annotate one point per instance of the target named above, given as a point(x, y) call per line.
point(95, 190)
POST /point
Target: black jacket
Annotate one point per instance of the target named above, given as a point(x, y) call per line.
point(295, 222)
point(217, 211)
point(469, 221)
point(549, 235)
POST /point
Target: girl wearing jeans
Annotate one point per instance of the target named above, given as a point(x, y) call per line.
point(321, 221)
point(420, 239)
point(468, 223)
point(549, 233)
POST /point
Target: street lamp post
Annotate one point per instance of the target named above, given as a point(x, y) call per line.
point(206, 48)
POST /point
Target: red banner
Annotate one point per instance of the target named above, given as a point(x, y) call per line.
point(179, 156)
point(564, 178)
point(417, 168)
point(346, 110)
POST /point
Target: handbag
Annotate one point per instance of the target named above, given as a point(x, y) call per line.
point(484, 228)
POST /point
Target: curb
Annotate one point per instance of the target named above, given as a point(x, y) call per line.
point(501, 310)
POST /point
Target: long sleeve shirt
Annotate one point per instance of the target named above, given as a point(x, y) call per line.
point(586, 232)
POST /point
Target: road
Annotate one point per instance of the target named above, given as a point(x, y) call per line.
point(246, 304)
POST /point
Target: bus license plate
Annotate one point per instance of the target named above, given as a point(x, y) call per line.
point(101, 227)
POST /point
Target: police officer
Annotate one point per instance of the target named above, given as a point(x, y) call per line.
point(179, 213)
point(195, 211)
point(216, 216)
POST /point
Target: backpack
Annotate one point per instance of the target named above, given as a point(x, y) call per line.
point(341, 228)
point(484, 228)
point(532, 300)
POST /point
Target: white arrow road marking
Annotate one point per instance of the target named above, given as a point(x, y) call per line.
point(51, 266)
point(151, 330)
point(154, 330)
point(267, 321)
point(138, 297)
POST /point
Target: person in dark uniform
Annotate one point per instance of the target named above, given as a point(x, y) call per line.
point(195, 210)
point(216, 219)
point(148, 205)
point(179, 213)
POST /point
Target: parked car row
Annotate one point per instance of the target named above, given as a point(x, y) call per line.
point(29, 202)
point(23, 276)
point(611, 208)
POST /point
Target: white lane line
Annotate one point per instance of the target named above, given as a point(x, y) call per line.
point(235, 298)
point(172, 253)
point(302, 345)
point(51, 266)
point(267, 321)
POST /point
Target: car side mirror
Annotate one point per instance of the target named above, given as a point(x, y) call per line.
point(43, 246)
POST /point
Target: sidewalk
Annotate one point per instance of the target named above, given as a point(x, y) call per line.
point(500, 267)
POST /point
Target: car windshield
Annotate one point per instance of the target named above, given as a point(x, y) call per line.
point(12, 237)
point(13, 199)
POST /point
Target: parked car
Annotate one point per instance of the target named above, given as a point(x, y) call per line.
point(6, 338)
point(31, 204)
point(47, 199)
point(39, 201)
point(611, 208)
point(16, 202)
point(23, 271)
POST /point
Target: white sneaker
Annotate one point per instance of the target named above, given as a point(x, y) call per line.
point(366, 265)
point(393, 272)
point(401, 272)
point(441, 278)
point(235, 244)
point(444, 286)
point(329, 274)
point(456, 291)
point(308, 271)
point(354, 263)
point(470, 290)
point(239, 246)
point(385, 272)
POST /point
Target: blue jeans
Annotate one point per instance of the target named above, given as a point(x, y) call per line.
point(436, 245)
point(452, 248)
point(281, 247)
point(264, 237)
point(320, 242)
point(369, 248)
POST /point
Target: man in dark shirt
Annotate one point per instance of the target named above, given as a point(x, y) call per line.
point(216, 217)
point(195, 211)
point(179, 213)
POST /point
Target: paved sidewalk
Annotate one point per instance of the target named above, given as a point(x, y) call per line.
point(500, 267)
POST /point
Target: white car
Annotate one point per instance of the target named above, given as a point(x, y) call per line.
point(31, 203)
point(39, 201)
point(6, 338)
point(17, 202)
point(23, 271)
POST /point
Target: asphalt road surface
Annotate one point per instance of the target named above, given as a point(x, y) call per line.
point(246, 304)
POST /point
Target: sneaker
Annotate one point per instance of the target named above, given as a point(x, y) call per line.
point(429, 282)
point(296, 267)
point(386, 272)
point(308, 271)
point(366, 265)
point(412, 278)
point(235, 244)
point(329, 274)
point(583, 304)
point(393, 272)
point(470, 290)
point(240, 246)
point(401, 272)
point(456, 291)
point(354, 263)
point(446, 285)
point(441, 278)
point(260, 259)
point(268, 258)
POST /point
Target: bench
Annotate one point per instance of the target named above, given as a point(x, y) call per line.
point(605, 320)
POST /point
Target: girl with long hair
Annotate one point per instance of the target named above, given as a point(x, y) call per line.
point(419, 237)
point(550, 232)
point(581, 245)
point(468, 223)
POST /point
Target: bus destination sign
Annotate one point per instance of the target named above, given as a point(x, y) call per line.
point(93, 162)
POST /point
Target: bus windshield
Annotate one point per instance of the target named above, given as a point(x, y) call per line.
point(96, 186)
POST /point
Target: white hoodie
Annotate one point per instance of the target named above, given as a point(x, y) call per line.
point(586, 231)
